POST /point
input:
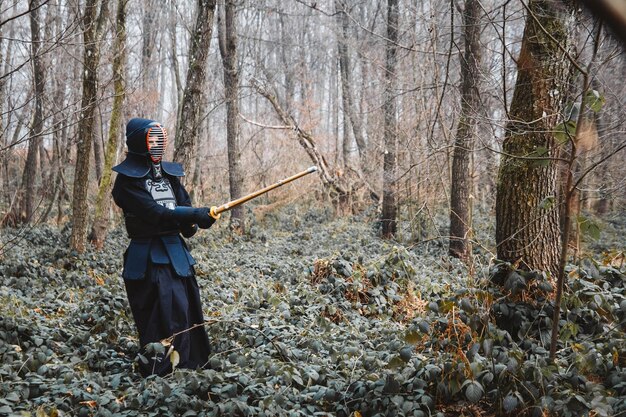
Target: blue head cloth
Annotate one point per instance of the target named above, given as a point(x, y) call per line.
point(136, 130)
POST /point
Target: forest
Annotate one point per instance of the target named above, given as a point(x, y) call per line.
point(458, 251)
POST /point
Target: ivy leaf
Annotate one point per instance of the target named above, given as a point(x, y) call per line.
point(297, 378)
point(487, 346)
point(424, 326)
point(510, 403)
point(412, 337)
point(565, 131)
point(547, 203)
point(474, 392)
point(542, 155)
point(395, 362)
point(594, 100)
point(588, 227)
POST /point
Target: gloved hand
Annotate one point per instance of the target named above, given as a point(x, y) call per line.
point(188, 230)
point(191, 215)
point(205, 220)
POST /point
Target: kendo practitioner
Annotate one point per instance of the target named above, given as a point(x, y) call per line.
point(158, 269)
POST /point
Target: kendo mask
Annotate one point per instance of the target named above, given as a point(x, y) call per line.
point(156, 142)
point(147, 137)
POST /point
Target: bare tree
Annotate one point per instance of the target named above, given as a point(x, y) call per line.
point(24, 208)
point(190, 120)
point(351, 117)
point(228, 50)
point(103, 201)
point(527, 217)
point(93, 24)
point(462, 182)
point(390, 204)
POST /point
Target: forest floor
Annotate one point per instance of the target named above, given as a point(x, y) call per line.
point(313, 315)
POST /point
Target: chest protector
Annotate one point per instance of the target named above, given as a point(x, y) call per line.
point(161, 191)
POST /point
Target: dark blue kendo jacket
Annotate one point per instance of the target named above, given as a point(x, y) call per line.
point(154, 233)
point(156, 210)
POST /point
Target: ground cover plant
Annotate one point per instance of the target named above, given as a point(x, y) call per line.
point(312, 315)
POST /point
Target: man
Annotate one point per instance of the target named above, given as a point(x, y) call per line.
point(158, 268)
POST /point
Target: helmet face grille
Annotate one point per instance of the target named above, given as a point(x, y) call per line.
point(156, 141)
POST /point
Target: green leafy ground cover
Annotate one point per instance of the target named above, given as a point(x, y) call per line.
point(314, 316)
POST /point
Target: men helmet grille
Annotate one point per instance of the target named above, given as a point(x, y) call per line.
point(156, 140)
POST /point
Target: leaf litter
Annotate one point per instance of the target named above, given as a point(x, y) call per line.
point(311, 315)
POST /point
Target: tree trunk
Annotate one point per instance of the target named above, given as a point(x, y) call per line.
point(228, 50)
point(600, 204)
point(191, 110)
point(25, 205)
point(152, 13)
point(177, 87)
point(462, 182)
point(6, 109)
point(390, 208)
point(527, 216)
point(86, 124)
point(4, 137)
point(98, 150)
point(351, 117)
point(288, 64)
point(103, 201)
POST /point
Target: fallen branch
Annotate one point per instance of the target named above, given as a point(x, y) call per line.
point(305, 139)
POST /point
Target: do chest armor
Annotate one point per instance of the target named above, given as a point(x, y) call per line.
point(162, 192)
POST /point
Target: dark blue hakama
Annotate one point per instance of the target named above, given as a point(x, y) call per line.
point(164, 304)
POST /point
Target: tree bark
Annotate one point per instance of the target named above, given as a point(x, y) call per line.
point(351, 117)
point(462, 181)
point(390, 208)
point(25, 205)
point(152, 12)
point(191, 110)
point(103, 201)
point(228, 51)
point(178, 83)
point(86, 123)
point(527, 216)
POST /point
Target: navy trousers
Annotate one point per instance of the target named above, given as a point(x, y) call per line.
point(163, 304)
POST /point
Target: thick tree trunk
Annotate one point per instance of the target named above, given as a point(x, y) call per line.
point(25, 205)
point(527, 215)
point(103, 201)
point(191, 110)
point(390, 205)
point(86, 123)
point(228, 50)
point(462, 182)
